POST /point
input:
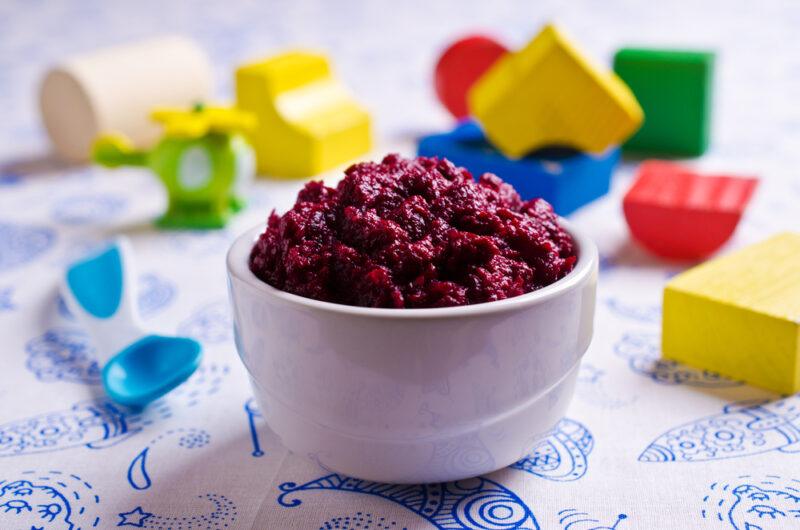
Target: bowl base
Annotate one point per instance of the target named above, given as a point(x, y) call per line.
point(463, 453)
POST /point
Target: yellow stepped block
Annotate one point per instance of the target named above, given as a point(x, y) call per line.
point(307, 121)
point(739, 315)
point(548, 94)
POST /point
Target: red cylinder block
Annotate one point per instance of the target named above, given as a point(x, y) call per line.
point(460, 65)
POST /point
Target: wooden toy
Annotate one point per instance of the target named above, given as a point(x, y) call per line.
point(307, 121)
point(550, 94)
point(459, 66)
point(675, 90)
point(112, 90)
point(203, 160)
point(739, 315)
point(564, 178)
point(677, 213)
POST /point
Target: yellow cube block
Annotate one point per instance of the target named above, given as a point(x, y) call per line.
point(739, 315)
point(549, 94)
point(307, 121)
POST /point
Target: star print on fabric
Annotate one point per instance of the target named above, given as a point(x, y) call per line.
point(135, 517)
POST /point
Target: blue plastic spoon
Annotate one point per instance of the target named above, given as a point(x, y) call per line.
point(137, 367)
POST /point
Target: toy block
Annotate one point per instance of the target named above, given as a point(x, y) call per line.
point(307, 121)
point(677, 213)
point(550, 94)
point(459, 66)
point(739, 315)
point(675, 90)
point(113, 89)
point(564, 178)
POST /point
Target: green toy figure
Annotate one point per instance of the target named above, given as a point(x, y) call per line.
point(203, 160)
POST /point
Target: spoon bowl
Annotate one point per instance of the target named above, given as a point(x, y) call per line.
point(149, 368)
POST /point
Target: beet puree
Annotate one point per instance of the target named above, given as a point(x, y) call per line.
point(412, 233)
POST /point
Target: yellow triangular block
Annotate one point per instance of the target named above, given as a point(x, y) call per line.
point(307, 121)
point(739, 315)
point(548, 94)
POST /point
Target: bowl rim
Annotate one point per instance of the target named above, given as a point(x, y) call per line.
point(237, 262)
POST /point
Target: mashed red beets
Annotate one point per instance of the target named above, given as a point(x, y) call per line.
point(412, 233)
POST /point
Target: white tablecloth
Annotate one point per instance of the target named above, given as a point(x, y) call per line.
point(203, 458)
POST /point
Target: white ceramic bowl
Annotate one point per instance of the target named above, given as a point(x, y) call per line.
point(413, 395)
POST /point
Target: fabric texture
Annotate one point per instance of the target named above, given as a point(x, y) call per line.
point(645, 444)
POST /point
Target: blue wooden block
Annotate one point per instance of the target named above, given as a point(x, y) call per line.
point(562, 177)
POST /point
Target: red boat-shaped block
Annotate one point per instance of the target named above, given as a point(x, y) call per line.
point(677, 213)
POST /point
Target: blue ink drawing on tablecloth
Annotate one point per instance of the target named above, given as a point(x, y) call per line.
point(93, 424)
point(211, 324)
point(647, 314)
point(63, 355)
point(360, 521)
point(222, 516)
point(8, 178)
point(138, 473)
point(606, 264)
point(155, 294)
point(47, 499)
point(88, 209)
point(253, 412)
point(22, 244)
point(742, 429)
point(750, 503)
point(100, 423)
point(643, 353)
point(62, 309)
point(67, 355)
point(135, 518)
point(574, 519)
point(205, 382)
point(200, 243)
point(591, 388)
point(6, 301)
point(561, 454)
point(471, 503)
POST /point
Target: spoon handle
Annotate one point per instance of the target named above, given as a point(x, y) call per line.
point(99, 291)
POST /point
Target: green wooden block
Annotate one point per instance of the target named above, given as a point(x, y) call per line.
point(674, 89)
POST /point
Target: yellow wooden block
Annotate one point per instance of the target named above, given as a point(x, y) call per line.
point(548, 94)
point(739, 315)
point(307, 121)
